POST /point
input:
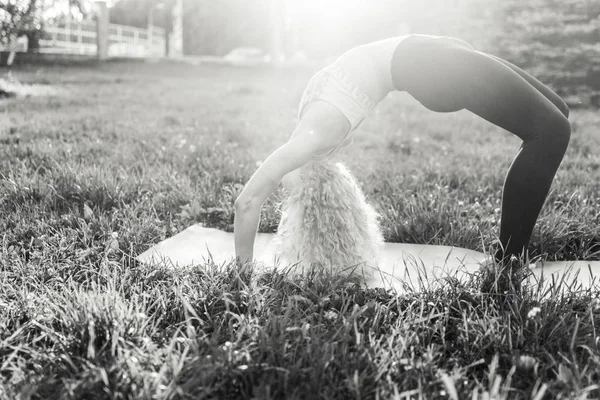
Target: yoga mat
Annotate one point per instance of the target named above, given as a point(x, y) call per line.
point(402, 265)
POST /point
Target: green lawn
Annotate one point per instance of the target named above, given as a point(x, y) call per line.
point(124, 155)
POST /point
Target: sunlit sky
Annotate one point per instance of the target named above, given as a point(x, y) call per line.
point(333, 10)
point(342, 9)
point(364, 14)
point(325, 26)
point(330, 26)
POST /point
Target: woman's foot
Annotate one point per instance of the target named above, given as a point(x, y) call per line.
point(503, 277)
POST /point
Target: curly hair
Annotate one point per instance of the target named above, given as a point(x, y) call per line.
point(326, 223)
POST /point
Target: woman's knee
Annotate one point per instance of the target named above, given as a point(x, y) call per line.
point(555, 134)
point(559, 103)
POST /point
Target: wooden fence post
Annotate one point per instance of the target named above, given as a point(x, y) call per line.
point(102, 31)
point(176, 37)
point(276, 18)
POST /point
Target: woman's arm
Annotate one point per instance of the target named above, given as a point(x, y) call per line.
point(295, 153)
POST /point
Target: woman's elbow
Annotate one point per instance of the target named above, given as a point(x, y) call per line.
point(239, 204)
point(244, 203)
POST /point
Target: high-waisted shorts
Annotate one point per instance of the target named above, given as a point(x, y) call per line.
point(333, 85)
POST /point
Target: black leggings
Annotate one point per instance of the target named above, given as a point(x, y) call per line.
point(446, 75)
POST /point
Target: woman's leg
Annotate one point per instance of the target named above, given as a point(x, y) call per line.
point(447, 77)
point(543, 89)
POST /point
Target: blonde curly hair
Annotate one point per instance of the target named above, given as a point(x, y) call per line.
point(326, 223)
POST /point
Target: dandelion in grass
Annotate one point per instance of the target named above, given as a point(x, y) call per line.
point(534, 312)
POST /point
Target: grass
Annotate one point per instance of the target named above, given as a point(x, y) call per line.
point(123, 155)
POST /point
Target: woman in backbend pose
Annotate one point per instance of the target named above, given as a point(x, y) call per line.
point(445, 75)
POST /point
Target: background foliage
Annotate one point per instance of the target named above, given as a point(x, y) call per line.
point(136, 12)
point(19, 18)
point(29, 17)
point(557, 41)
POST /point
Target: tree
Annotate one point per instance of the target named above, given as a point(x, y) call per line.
point(18, 18)
point(25, 18)
point(137, 12)
point(217, 27)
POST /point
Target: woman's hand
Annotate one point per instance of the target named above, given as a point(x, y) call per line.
point(247, 217)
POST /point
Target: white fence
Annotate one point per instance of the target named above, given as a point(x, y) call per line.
point(123, 41)
point(16, 44)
